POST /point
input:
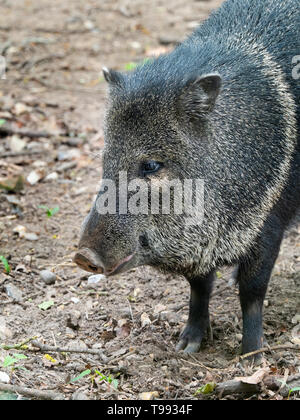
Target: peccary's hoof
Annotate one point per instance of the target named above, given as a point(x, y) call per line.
point(249, 354)
point(188, 347)
point(190, 340)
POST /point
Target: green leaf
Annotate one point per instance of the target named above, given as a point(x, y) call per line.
point(115, 383)
point(109, 379)
point(49, 212)
point(9, 361)
point(2, 122)
point(5, 263)
point(46, 305)
point(20, 356)
point(206, 389)
point(52, 212)
point(82, 375)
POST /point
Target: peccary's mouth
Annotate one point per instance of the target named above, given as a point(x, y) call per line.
point(89, 260)
point(120, 267)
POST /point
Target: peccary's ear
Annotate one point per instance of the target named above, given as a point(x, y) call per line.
point(200, 94)
point(112, 77)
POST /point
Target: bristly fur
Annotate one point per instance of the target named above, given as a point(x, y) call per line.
point(223, 107)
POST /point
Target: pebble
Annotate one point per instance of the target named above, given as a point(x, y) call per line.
point(48, 277)
point(4, 378)
point(96, 278)
point(51, 177)
point(35, 176)
point(13, 291)
point(16, 144)
point(30, 236)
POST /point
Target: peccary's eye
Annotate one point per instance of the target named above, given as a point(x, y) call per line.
point(150, 167)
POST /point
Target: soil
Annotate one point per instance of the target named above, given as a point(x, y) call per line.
point(54, 54)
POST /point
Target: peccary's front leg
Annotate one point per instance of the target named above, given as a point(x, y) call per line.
point(198, 322)
point(253, 277)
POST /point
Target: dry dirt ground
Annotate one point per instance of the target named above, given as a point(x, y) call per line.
point(54, 53)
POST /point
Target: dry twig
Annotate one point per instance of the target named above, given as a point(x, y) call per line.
point(29, 392)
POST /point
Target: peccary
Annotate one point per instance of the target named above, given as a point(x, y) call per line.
point(223, 107)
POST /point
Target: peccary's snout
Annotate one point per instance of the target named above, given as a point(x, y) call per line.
point(88, 260)
point(105, 245)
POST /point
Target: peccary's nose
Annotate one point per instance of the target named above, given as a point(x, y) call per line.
point(88, 260)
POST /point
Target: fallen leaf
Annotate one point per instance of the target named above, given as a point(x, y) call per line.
point(46, 305)
point(123, 329)
point(148, 395)
point(206, 389)
point(145, 320)
point(82, 375)
point(256, 378)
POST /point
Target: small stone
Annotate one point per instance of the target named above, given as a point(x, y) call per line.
point(35, 176)
point(16, 144)
point(51, 177)
point(13, 291)
point(4, 378)
point(48, 277)
point(30, 236)
point(96, 278)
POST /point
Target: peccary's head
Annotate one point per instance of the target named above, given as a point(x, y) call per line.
point(151, 169)
point(167, 125)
